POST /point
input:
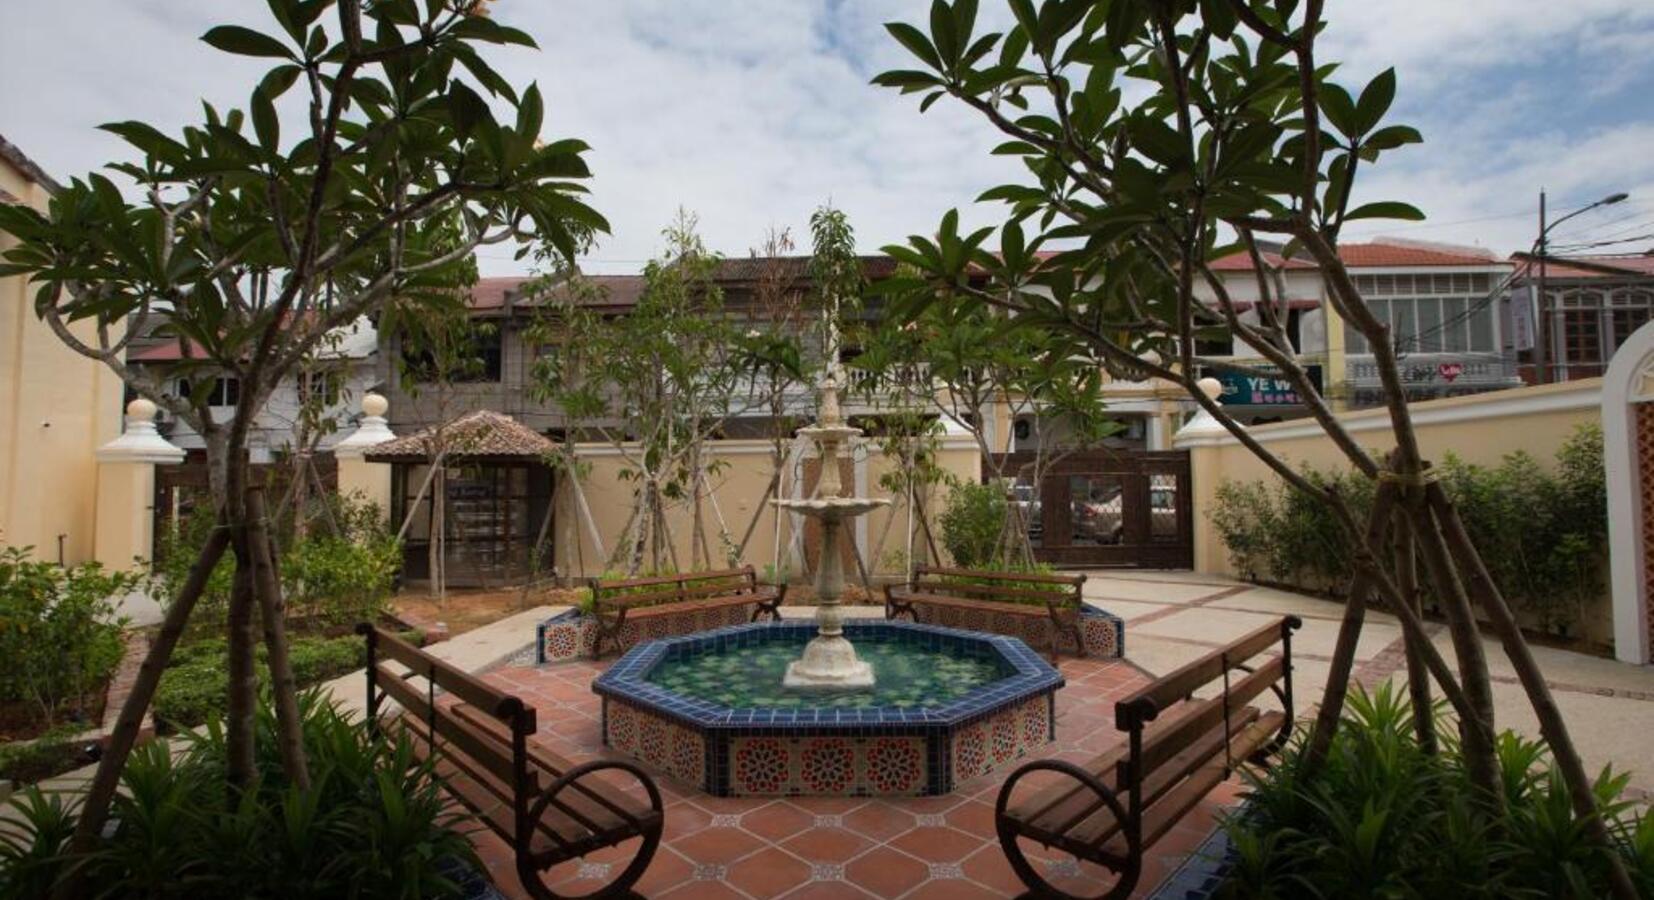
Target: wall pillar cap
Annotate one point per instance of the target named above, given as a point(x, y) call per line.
point(1203, 430)
point(141, 443)
point(371, 431)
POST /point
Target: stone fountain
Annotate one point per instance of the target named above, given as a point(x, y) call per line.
point(829, 660)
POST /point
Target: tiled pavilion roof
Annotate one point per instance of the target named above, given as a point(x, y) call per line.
point(483, 434)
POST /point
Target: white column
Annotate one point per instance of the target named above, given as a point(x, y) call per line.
point(356, 475)
point(124, 535)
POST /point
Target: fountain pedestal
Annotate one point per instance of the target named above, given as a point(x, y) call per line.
point(829, 660)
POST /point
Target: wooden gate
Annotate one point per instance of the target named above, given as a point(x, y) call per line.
point(182, 488)
point(1119, 508)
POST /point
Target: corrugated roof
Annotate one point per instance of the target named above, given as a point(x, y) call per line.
point(483, 433)
point(1373, 254)
point(1591, 265)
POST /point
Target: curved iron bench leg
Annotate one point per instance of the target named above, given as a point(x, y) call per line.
point(622, 885)
point(1007, 832)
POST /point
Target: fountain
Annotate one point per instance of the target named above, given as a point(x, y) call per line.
point(829, 660)
point(717, 710)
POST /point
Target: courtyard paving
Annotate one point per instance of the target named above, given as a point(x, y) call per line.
point(837, 847)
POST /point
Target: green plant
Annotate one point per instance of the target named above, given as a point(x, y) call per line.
point(1541, 531)
point(972, 522)
point(1385, 818)
point(374, 823)
point(195, 688)
point(59, 635)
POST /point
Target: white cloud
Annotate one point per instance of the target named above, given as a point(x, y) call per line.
point(752, 114)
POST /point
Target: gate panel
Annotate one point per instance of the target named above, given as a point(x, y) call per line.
point(1110, 508)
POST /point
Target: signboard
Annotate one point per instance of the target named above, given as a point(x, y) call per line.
point(1252, 390)
point(1522, 317)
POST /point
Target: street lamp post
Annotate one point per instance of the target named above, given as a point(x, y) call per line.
point(1542, 299)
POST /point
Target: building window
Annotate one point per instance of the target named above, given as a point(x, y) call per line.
point(225, 391)
point(476, 358)
point(1452, 313)
point(320, 388)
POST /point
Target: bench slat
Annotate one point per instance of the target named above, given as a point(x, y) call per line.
point(1162, 816)
point(450, 678)
point(1164, 743)
point(1014, 609)
point(924, 588)
point(743, 572)
point(1075, 580)
point(419, 717)
point(1184, 680)
point(1100, 825)
point(688, 596)
point(605, 814)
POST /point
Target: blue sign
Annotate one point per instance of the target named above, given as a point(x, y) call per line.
point(1240, 389)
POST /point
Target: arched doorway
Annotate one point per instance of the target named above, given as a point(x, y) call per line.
point(1628, 454)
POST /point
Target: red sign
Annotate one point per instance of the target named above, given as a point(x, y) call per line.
point(1450, 370)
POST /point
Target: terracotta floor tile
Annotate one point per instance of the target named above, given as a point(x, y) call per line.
point(666, 871)
point(939, 844)
point(702, 890)
point(777, 821)
point(768, 873)
point(840, 848)
point(885, 872)
point(828, 890)
point(988, 868)
point(880, 820)
point(827, 845)
point(953, 889)
point(716, 846)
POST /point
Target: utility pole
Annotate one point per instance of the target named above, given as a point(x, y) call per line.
point(1541, 298)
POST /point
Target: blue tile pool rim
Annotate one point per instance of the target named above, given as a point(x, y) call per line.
point(1029, 675)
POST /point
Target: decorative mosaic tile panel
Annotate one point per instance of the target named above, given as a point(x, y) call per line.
point(1645, 482)
point(1103, 634)
point(675, 749)
point(827, 765)
point(1005, 736)
point(567, 637)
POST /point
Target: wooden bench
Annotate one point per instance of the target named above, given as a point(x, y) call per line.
point(547, 808)
point(1109, 810)
point(1057, 597)
point(634, 599)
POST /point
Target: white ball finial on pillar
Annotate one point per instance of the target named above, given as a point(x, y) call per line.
point(1211, 387)
point(141, 442)
point(370, 431)
point(1202, 428)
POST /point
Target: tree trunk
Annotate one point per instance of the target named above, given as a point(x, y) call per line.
point(1349, 633)
point(1418, 677)
point(1551, 724)
point(94, 810)
point(241, 766)
point(1481, 760)
point(283, 686)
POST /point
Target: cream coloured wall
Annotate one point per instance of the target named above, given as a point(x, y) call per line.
point(56, 409)
point(739, 485)
point(1480, 428)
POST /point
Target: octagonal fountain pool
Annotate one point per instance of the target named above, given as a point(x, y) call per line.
point(946, 706)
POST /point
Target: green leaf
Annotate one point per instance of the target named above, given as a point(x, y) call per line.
point(278, 80)
point(1392, 136)
point(147, 139)
point(944, 34)
point(1339, 109)
point(915, 42)
point(1375, 101)
point(246, 42)
point(531, 113)
point(266, 126)
point(1156, 140)
point(1386, 209)
point(465, 108)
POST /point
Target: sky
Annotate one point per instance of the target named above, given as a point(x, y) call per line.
point(752, 114)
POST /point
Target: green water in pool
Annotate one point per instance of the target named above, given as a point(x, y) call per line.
point(905, 676)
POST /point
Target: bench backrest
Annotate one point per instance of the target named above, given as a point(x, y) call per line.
point(1184, 720)
point(416, 691)
point(984, 584)
point(673, 588)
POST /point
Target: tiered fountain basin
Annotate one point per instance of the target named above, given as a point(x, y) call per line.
point(947, 706)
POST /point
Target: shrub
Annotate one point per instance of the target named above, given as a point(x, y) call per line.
point(374, 823)
point(1383, 818)
point(195, 687)
point(329, 579)
point(1542, 532)
point(972, 523)
point(59, 636)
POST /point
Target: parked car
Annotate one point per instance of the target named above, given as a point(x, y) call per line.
point(1026, 501)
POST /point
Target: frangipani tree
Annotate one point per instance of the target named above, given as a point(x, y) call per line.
point(1159, 135)
point(255, 232)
